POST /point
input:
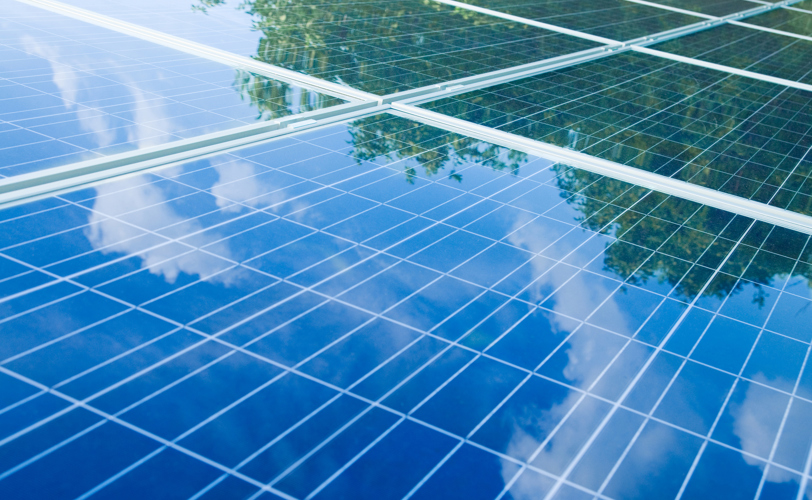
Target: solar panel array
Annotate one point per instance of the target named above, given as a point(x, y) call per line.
point(387, 301)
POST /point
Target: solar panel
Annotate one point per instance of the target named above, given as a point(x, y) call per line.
point(459, 292)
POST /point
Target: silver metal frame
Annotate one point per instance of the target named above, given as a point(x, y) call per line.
point(24, 188)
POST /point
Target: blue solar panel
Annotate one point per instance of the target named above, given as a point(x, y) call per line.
point(343, 313)
point(372, 307)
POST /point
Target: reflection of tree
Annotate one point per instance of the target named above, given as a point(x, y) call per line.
point(614, 19)
point(657, 230)
point(439, 152)
point(745, 48)
point(294, 33)
point(689, 123)
point(205, 5)
point(387, 46)
point(275, 99)
point(432, 149)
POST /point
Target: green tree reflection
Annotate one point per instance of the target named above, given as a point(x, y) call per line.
point(393, 45)
point(294, 35)
point(275, 99)
point(433, 150)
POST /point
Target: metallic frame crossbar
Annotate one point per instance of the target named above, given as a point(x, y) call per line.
point(24, 188)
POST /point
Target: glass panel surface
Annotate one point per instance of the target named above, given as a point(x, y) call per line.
point(805, 5)
point(374, 45)
point(356, 301)
point(615, 19)
point(734, 134)
point(745, 48)
point(70, 91)
point(712, 7)
point(792, 21)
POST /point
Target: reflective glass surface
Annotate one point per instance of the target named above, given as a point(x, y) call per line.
point(378, 308)
point(804, 5)
point(711, 7)
point(70, 91)
point(381, 309)
point(734, 134)
point(751, 49)
point(381, 46)
point(792, 21)
point(615, 19)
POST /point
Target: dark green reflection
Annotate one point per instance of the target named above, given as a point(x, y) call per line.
point(615, 19)
point(710, 7)
point(785, 20)
point(664, 243)
point(430, 151)
point(389, 46)
point(275, 99)
point(737, 135)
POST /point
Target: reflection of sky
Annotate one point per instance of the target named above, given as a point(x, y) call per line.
point(77, 91)
point(225, 27)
